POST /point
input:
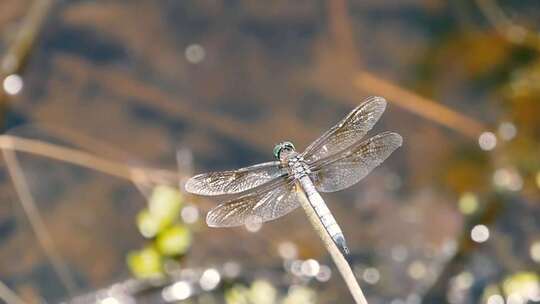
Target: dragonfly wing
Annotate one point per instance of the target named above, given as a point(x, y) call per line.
point(234, 181)
point(344, 169)
point(267, 203)
point(348, 131)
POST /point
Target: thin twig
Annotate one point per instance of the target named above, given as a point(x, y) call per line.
point(341, 58)
point(36, 222)
point(513, 32)
point(421, 106)
point(24, 40)
point(340, 261)
point(19, 50)
point(86, 160)
point(340, 28)
point(7, 295)
point(10, 144)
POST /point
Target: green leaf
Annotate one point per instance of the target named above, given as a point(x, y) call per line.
point(262, 292)
point(173, 241)
point(238, 294)
point(165, 202)
point(146, 263)
point(148, 225)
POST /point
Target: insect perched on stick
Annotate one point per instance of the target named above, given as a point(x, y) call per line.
point(335, 161)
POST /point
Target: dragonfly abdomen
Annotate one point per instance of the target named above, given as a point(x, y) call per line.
point(324, 214)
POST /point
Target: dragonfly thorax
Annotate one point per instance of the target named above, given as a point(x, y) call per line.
point(297, 166)
point(291, 159)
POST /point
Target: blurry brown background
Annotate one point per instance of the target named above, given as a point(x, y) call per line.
point(229, 79)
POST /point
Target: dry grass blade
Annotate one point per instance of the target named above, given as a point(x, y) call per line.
point(421, 106)
point(10, 144)
point(36, 222)
point(506, 27)
point(21, 47)
point(25, 38)
point(341, 57)
point(83, 159)
point(8, 296)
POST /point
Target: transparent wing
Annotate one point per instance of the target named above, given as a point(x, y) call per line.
point(348, 131)
point(234, 181)
point(342, 170)
point(271, 201)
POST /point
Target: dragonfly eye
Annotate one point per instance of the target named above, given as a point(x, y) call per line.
point(277, 149)
point(282, 146)
point(288, 145)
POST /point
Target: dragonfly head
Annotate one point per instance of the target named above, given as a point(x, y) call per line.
point(283, 150)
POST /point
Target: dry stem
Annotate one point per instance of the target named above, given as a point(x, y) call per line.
point(8, 296)
point(36, 222)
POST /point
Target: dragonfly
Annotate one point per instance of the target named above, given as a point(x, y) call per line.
point(336, 160)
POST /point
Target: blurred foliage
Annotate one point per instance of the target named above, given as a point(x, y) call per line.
point(169, 237)
point(263, 292)
point(145, 263)
point(505, 76)
point(521, 287)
